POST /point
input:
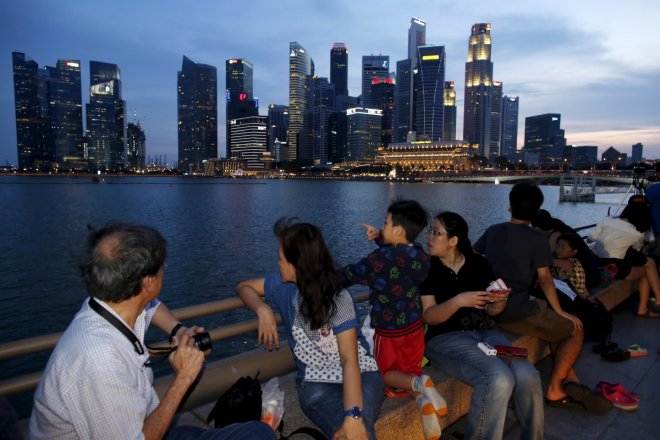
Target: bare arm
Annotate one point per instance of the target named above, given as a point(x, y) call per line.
point(165, 320)
point(548, 287)
point(251, 292)
point(348, 354)
point(187, 362)
point(438, 313)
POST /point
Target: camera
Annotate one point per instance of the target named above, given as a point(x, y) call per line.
point(203, 341)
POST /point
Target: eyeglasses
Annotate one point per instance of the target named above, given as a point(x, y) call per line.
point(436, 233)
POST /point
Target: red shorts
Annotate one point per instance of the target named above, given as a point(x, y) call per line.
point(400, 353)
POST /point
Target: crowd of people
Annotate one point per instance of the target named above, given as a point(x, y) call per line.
point(445, 304)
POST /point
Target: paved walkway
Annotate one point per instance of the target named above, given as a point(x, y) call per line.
point(641, 375)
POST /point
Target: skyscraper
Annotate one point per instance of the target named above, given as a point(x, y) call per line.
point(478, 84)
point(65, 110)
point(372, 66)
point(106, 115)
point(403, 100)
point(416, 38)
point(544, 140)
point(323, 107)
point(135, 146)
point(278, 124)
point(249, 140)
point(495, 120)
point(449, 131)
point(239, 94)
point(197, 104)
point(430, 79)
point(382, 98)
point(31, 122)
point(637, 152)
point(509, 136)
point(363, 133)
point(301, 68)
point(339, 68)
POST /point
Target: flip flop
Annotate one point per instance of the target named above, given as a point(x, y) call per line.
point(652, 314)
point(566, 402)
point(583, 394)
point(617, 355)
point(604, 347)
point(636, 350)
point(600, 386)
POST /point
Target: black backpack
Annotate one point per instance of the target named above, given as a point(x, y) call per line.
point(240, 403)
point(596, 319)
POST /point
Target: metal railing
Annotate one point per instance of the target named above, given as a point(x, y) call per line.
point(217, 376)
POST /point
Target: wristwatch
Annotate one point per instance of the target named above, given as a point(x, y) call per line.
point(355, 412)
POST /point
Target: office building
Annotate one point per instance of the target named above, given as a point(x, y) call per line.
point(106, 115)
point(478, 85)
point(416, 38)
point(197, 105)
point(495, 121)
point(135, 147)
point(339, 68)
point(278, 124)
point(32, 125)
point(249, 140)
point(545, 144)
point(301, 69)
point(382, 97)
point(637, 152)
point(430, 90)
point(373, 66)
point(363, 133)
point(449, 118)
point(584, 157)
point(403, 100)
point(65, 112)
point(239, 94)
point(323, 106)
point(509, 130)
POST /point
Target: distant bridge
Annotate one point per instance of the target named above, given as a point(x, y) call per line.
point(539, 178)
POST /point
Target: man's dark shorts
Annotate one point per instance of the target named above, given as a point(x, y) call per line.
point(545, 324)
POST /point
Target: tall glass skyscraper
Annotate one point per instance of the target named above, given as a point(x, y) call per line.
point(382, 98)
point(339, 68)
point(430, 79)
point(449, 131)
point(106, 116)
point(65, 109)
point(278, 125)
point(197, 105)
point(239, 94)
point(495, 120)
point(31, 122)
point(403, 100)
point(478, 88)
point(373, 66)
point(509, 136)
point(416, 38)
point(301, 69)
point(135, 146)
point(323, 107)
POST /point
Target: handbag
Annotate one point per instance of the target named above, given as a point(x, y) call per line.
point(240, 403)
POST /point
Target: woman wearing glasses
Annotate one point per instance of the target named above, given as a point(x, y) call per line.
point(457, 308)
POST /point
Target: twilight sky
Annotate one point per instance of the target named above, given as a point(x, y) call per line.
point(597, 63)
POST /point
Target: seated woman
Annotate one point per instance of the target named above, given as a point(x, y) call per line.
point(339, 386)
point(618, 242)
point(457, 309)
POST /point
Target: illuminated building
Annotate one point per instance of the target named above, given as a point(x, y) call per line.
point(278, 124)
point(545, 144)
point(249, 140)
point(32, 125)
point(614, 157)
point(323, 106)
point(449, 130)
point(106, 115)
point(403, 100)
point(301, 69)
point(428, 155)
point(478, 84)
point(429, 97)
point(339, 68)
point(197, 112)
point(135, 147)
point(495, 120)
point(509, 142)
point(239, 94)
point(382, 97)
point(416, 38)
point(363, 133)
point(372, 66)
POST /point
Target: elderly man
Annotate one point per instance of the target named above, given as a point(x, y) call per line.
point(97, 384)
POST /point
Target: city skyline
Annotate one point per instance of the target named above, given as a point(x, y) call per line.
point(558, 58)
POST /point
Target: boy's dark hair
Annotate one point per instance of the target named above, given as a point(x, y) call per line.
point(410, 215)
point(304, 247)
point(119, 256)
point(525, 200)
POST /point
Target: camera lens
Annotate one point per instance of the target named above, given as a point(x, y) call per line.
point(203, 341)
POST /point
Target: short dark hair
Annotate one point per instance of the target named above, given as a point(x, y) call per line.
point(525, 200)
point(410, 215)
point(119, 256)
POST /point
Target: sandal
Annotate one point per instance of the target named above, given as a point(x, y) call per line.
point(566, 402)
point(600, 386)
point(648, 314)
point(604, 347)
point(619, 399)
point(583, 394)
point(617, 355)
point(636, 350)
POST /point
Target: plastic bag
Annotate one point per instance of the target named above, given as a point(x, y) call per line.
point(368, 332)
point(272, 403)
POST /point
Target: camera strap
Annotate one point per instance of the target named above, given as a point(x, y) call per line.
point(116, 323)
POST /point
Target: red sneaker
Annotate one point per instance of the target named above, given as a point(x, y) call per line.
point(619, 399)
